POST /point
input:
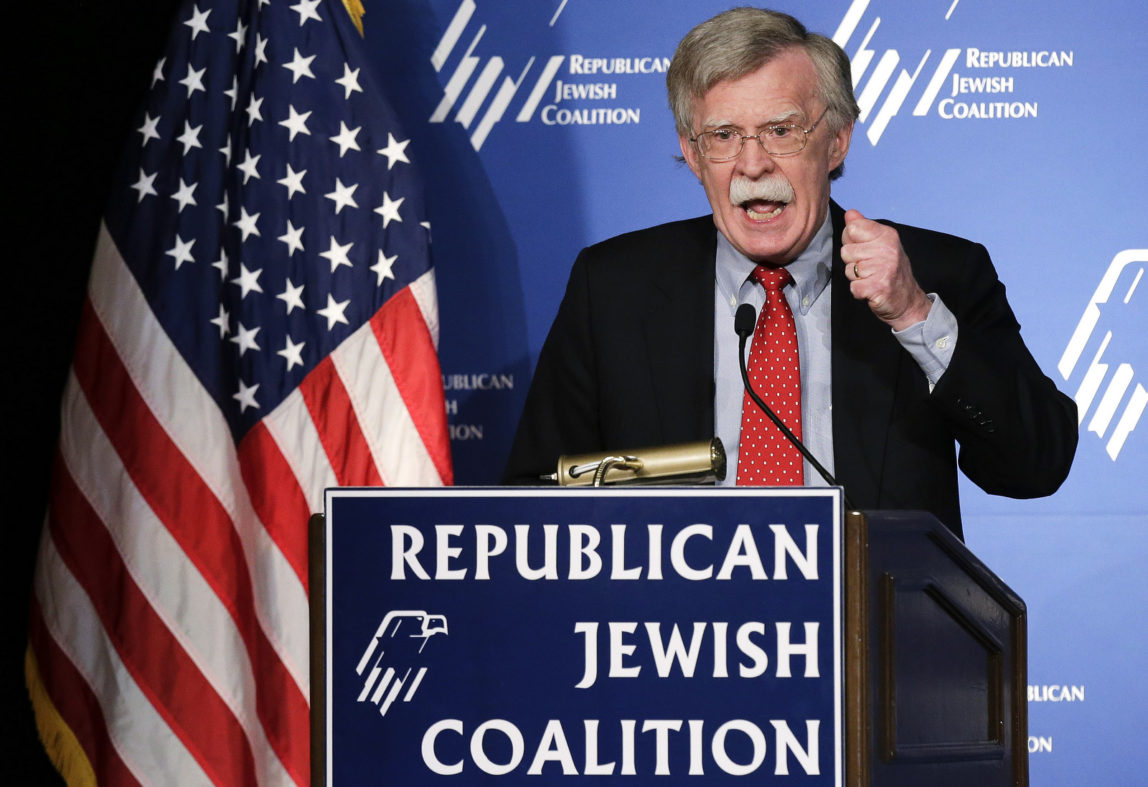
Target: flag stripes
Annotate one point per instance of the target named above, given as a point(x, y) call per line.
point(211, 403)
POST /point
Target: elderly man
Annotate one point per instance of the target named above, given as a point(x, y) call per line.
point(882, 346)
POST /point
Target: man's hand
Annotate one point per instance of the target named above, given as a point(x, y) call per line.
point(879, 273)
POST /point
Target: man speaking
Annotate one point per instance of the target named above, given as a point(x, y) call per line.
point(890, 351)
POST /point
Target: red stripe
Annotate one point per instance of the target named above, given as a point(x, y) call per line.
point(201, 526)
point(77, 705)
point(155, 659)
point(276, 496)
point(330, 406)
point(410, 353)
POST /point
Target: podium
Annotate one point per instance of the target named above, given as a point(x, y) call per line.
point(913, 651)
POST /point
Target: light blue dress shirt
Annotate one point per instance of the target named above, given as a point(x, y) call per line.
point(930, 343)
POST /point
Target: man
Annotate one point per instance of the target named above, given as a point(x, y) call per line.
point(906, 343)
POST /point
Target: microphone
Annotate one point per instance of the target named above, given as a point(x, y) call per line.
point(744, 321)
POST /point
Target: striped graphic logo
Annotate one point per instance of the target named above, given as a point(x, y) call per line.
point(877, 118)
point(468, 110)
point(1106, 356)
point(393, 656)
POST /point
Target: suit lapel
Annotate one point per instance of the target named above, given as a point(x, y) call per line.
point(866, 368)
point(678, 327)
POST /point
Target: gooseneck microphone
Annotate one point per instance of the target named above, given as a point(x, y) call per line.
point(743, 322)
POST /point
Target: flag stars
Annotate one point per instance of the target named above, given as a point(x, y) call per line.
point(184, 196)
point(198, 21)
point(149, 129)
point(306, 10)
point(292, 353)
point(254, 111)
point(157, 73)
point(223, 322)
point(247, 223)
point(233, 91)
point(181, 252)
point(260, 49)
point(395, 151)
point(239, 36)
point(345, 139)
point(349, 81)
point(296, 123)
point(293, 237)
point(245, 338)
point(389, 210)
point(299, 67)
point(292, 296)
point(246, 396)
point(337, 254)
point(247, 281)
point(194, 80)
point(249, 167)
point(145, 185)
point(221, 266)
point(334, 312)
point(190, 137)
point(343, 196)
point(384, 268)
point(293, 182)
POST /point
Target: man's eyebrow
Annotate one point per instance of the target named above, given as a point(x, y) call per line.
point(789, 116)
point(785, 117)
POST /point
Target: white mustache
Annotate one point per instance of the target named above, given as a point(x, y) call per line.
point(773, 189)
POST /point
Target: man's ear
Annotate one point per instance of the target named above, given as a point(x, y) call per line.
point(690, 154)
point(839, 146)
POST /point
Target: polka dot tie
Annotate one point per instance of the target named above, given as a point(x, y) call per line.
point(765, 457)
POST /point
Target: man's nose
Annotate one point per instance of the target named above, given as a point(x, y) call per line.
point(754, 161)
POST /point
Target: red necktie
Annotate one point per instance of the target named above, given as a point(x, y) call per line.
point(765, 457)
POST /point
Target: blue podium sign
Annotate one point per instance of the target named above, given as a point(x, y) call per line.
point(658, 635)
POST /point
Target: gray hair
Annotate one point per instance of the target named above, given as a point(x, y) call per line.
point(736, 43)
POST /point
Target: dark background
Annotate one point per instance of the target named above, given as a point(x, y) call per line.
point(75, 74)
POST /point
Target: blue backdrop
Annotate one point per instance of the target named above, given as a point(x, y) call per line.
point(542, 126)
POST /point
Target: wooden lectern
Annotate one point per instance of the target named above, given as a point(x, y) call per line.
point(936, 660)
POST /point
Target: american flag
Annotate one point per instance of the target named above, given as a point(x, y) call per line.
point(260, 324)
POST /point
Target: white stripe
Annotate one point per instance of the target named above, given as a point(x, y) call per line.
point(141, 737)
point(935, 84)
point(171, 583)
point(293, 431)
point(423, 290)
point(1113, 395)
point(478, 93)
point(877, 83)
point(453, 89)
point(1128, 421)
point(540, 87)
point(894, 100)
point(849, 22)
point(497, 107)
point(398, 450)
point(452, 34)
point(197, 427)
point(1091, 315)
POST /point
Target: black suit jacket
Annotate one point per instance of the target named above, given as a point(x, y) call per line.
point(629, 363)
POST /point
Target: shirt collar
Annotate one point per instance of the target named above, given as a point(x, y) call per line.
point(810, 270)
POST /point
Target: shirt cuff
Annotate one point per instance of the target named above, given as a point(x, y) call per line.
point(931, 342)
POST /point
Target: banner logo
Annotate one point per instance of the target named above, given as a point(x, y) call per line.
point(1109, 339)
point(879, 107)
point(394, 654)
point(470, 97)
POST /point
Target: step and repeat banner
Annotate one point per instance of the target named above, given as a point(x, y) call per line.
point(541, 126)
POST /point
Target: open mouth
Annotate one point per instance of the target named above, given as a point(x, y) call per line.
point(763, 210)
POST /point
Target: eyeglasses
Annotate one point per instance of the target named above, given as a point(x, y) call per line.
point(779, 139)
